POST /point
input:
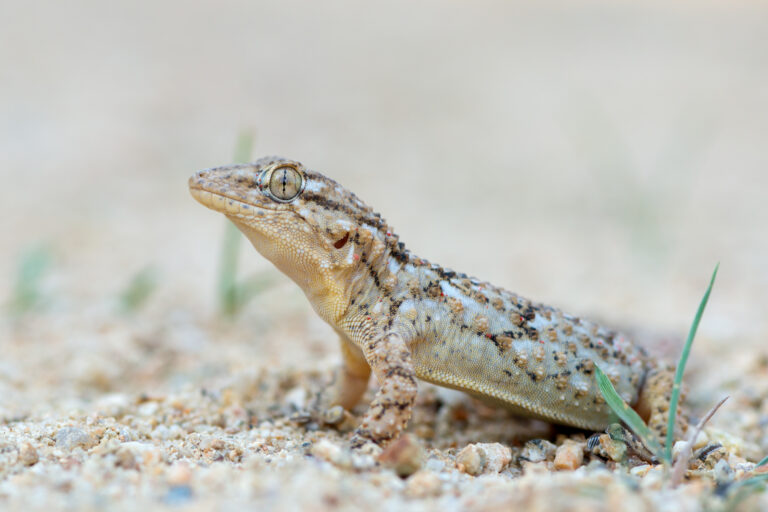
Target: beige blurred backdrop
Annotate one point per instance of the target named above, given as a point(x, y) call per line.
point(600, 156)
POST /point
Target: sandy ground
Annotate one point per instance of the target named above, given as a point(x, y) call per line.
point(599, 157)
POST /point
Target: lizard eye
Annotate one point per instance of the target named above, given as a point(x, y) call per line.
point(285, 182)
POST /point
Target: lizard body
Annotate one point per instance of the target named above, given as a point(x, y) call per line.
point(406, 318)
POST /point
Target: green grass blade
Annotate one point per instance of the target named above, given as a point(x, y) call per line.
point(230, 249)
point(675, 399)
point(254, 286)
point(762, 462)
point(627, 414)
point(231, 298)
point(33, 265)
point(138, 290)
point(743, 489)
point(753, 481)
point(244, 146)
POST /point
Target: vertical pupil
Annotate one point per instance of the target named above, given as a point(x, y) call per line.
point(285, 183)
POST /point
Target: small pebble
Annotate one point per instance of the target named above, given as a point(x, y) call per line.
point(535, 468)
point(569, 455)
point(114, 405)
point(497, 457)
point(405, 455)
point(325, 450)
point(28, 455)
point(296, 398)
point(640, 470)
point(330, 452)
point(423, 484)
point(334, 415)
point(126, 458)
point(479, 458)
point(148, 408)
point(471, 460)
point(538, 450)
point(723, 472)
point(69, 438)
point(340, 418)
point(370, 449)
point(609, 448)
point(677, 448)
point(654, 478)
point(180, 474)
point(362, 461)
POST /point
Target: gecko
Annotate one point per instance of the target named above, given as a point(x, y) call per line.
point(404, 318)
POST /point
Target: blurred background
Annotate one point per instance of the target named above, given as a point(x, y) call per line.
point(599, 156)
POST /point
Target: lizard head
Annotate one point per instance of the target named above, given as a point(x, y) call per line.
point(313, 229)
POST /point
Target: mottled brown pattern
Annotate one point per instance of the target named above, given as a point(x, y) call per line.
point(404, 317)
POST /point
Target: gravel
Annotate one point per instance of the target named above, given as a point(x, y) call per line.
point(600, 158)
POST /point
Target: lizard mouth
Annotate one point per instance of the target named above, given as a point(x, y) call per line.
point(223, 203)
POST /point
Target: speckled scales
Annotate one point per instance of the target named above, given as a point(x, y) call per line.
point(530, 358)
point(404, 317)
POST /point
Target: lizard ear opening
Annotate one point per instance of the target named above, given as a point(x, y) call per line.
point(342, 241)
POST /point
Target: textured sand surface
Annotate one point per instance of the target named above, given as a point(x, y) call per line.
point(599, 157)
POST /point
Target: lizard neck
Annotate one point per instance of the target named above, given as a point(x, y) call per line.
point(377, 265)
point(348, 281)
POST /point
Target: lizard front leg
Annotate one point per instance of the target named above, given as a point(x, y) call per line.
point(347, 386)
point(352, 378)
point(390, 359)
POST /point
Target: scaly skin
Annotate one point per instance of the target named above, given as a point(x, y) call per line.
point(406, 318)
